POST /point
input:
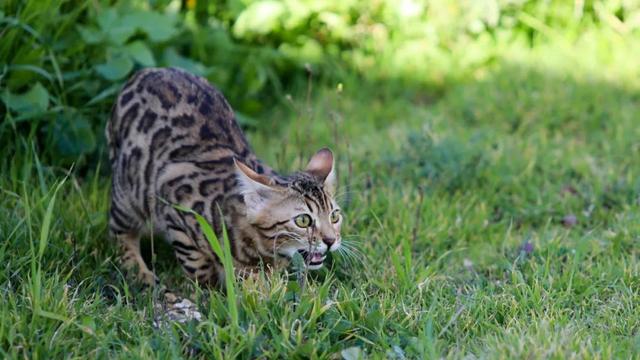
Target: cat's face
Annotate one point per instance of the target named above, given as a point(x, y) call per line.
point(297, 214)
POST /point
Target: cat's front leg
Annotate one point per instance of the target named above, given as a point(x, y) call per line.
point(196, 262)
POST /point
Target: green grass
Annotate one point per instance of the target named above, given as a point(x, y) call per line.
point(456, 201)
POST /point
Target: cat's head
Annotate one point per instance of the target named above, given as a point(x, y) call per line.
point(296, 213)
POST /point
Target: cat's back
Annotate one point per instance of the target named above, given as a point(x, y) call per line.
point(173, 116)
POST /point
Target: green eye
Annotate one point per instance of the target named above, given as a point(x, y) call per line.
point(303, 220)
point(335, 216)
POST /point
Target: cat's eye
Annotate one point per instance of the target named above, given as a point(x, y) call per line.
point(303, 220)
point(335, 216)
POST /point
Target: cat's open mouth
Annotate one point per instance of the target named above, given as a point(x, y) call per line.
point(313, 258)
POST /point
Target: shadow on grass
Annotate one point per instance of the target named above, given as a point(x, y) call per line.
point(533, 144)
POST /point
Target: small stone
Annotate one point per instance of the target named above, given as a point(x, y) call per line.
point(569, 190)
point(468, 264)
point(569, 221)
point(182, 311)
point(352, 353)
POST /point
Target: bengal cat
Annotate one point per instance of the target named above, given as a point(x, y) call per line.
point(174, 140)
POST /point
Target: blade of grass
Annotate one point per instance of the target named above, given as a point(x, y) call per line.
point(224, 254)
point(43, 185)
point(46, 223)
point(35, 280)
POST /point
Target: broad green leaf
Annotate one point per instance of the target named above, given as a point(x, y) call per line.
point(309, 51)
point(116, 68)
point(158, 27)
point(172, 58)
point(298, 14)
point(115, 27)
point(140, 52)
point(107, 19)
point(34, 100)
point(90, 34)
point(119, 35)
point(336, 23)
point(73, 135)
point(105, 94)
point(259, 18)
point(32, 68)
point(26, 55)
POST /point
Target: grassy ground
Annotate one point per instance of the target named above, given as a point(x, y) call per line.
point(499, 219)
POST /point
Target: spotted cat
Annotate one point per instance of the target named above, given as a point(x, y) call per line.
point(174, 140)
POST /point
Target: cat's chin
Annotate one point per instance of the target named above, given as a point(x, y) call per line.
point(315, 267)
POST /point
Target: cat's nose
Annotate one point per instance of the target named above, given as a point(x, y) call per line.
point(328, 240)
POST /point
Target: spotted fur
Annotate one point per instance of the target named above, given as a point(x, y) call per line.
point(173, 139)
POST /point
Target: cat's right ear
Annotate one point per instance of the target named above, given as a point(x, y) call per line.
point(253, 186)
point(322, 166)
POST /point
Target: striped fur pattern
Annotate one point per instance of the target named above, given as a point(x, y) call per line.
point(173, 139)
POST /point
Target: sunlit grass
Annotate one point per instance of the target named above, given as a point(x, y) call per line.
point(456, 206)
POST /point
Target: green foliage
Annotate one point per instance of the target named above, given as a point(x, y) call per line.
point(64, 61)
point(35, 100)
point(487, 150)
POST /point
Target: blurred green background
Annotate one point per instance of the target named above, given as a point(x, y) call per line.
point(62, 62)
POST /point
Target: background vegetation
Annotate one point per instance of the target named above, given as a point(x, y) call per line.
point(489, 157)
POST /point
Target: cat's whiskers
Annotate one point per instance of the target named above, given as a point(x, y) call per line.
point(349, 256)
point(343, 194)
point(351, 252)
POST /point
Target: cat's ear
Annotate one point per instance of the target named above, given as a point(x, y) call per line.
point(322, 166)
point(255, 187)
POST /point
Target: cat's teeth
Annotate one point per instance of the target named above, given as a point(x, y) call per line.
point(317, 257)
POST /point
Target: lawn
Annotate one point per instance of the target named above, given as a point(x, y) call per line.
point(495, 216)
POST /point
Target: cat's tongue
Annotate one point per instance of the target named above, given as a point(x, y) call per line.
point(316, 257)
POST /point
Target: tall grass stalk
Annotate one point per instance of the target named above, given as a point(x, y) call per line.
point(224, 254)
point(37, 255)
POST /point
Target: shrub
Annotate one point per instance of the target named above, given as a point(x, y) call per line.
point(64, 61)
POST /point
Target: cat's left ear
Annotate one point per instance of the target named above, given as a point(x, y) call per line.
point(322, 166)
point(254, 187)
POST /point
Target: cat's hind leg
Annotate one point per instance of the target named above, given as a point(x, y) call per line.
point(125, 228)
point(131, 259)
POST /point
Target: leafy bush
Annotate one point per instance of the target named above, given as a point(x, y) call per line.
point(63, 61)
